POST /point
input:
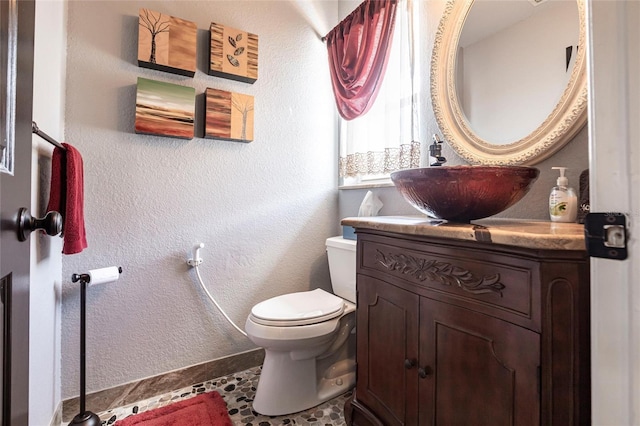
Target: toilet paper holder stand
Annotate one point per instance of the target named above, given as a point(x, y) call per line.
point(84, 417)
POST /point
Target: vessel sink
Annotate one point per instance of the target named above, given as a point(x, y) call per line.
point(464, 193)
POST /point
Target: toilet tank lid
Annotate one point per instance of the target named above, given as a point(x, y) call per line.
point(305, 305)
point(342, 243)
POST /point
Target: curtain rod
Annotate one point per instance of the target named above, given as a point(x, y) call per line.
point(46, 137)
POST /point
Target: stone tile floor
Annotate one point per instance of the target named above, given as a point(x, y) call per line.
point(238, 391)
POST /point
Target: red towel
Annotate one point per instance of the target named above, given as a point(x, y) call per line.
point(67, 197)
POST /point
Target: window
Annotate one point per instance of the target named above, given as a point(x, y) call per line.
point(383, 140)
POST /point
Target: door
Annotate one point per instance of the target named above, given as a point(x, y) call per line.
point(476, 369)
point(387, 346)
point(16, 70)
point(613, 65)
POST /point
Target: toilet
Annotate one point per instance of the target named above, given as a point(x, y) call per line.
point(308, 338)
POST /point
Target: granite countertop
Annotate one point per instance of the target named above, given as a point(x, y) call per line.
point(512, 232)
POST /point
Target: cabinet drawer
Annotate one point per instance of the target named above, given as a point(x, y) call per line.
point(492, 283)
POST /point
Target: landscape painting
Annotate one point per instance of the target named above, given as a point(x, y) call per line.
point(166, 43)
point(233, 54)
point(229, 116)
point(165, 109)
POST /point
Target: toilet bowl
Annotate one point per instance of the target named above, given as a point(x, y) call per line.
point(309, 340)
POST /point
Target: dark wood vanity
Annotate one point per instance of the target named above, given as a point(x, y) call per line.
point(471, 324)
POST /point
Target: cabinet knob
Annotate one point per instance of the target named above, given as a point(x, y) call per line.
point(409, 363)
point(423, 372)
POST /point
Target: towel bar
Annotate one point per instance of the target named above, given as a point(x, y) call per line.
point(43, 135)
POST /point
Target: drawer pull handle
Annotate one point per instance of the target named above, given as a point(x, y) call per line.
point(409, 363)
point(423, 372)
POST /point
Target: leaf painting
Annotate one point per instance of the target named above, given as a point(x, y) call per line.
point(233, 54)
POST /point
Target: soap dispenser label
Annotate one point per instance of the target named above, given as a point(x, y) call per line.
point(562, 206)
point(558, 204)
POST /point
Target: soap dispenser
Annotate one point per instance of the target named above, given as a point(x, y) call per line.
point(563, 201)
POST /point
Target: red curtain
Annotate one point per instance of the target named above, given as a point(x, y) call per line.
point(358, 53)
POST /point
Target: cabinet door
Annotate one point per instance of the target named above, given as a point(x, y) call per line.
point(476, 369)
point(387, 351)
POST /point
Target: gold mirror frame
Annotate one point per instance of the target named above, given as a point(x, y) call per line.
point(567, 118)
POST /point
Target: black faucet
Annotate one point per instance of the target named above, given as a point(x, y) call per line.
point(435, 151)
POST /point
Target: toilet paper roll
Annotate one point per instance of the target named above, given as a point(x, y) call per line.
point(104, 275)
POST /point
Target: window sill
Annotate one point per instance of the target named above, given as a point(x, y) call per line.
point(386, 183)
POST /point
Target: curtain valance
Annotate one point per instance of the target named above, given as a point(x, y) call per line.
point(358, 53)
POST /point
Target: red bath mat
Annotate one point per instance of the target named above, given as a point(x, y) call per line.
point(207, 409)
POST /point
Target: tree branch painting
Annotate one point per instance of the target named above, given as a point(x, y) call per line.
point(166, 43)
point(229, 116)
point(155, 25)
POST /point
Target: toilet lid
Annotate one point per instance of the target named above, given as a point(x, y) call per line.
point(306, 307)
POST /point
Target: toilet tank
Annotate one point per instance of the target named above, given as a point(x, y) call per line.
point(341, 253)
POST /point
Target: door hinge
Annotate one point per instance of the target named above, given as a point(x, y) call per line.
point(606, 235)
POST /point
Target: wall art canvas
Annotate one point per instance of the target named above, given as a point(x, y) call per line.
point(229, 116)
point(233, 54)
point(165, 109)
point(166, 43)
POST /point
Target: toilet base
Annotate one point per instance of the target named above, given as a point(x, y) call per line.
point(287, 386)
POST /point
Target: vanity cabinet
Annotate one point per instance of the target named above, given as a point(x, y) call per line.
point(454, 332)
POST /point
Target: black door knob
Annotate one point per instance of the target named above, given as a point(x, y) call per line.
point(409, 363)
point(51, 223)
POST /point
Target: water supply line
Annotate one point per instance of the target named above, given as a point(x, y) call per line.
point(195, 262)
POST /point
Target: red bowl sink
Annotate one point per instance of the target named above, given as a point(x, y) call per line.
point(464, 193)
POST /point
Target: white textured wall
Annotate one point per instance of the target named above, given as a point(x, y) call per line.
point(263, 209)
point(535, 205)
point(44, 312)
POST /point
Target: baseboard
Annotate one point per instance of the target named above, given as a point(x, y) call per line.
point(146, 388)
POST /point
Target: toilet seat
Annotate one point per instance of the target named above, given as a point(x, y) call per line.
point(295, 309)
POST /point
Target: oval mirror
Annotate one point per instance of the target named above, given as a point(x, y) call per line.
point(508, 79)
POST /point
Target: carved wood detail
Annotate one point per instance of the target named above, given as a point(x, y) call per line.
point(442, 272)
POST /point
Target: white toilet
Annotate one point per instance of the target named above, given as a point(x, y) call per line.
point(308, 338)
